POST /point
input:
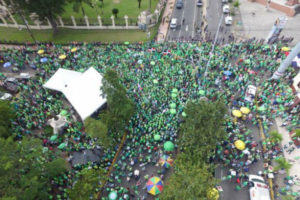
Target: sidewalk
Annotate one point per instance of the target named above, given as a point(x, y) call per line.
point(257, 22)
point(294, 171)
point(165, 20)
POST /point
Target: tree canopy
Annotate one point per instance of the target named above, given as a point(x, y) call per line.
point(6, 115)
point(120, 107)
point(25, 171)
point(97, 129)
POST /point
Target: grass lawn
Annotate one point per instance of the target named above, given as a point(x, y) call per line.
point(125, 7)
point(69, 35)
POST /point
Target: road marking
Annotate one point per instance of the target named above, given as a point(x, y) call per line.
point(184, 4)
point(194, 21)
point(187, 28)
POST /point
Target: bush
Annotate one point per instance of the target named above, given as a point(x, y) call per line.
point(236, 4)
point(48, 131)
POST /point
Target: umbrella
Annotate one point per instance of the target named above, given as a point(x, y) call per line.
point(154, 185)
point(168, 146)
point(62, 145)
point(201, 92)
point(227, 73)
point(213, 194)
point(285, 48)
point(172, 105)
point(240, 145)
point(245, 110)
point(113, 195)
point(173, 111)
point(236, 113)
point(174, 90)
point(7, 64)
point(62, 56)
point(53, 138)
point(43, 60)
point(156, 137)
point(63, 113)
point(41, 51)
point(74, 50)
point(296, 61)
point(166, 161)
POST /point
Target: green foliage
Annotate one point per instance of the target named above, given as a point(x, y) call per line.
point(287, 197)
point(202, 129)
point(25, 172)
point(115, 12)
point(6, 115)
point(43, 8)
point(78, 4)
point(297, 133)
point(275, 136)
point(86, 186)
point(189, 181)
point(236, 4)
point(120, 107)
point(283, 164)
point(48, 130)
point(97, 129)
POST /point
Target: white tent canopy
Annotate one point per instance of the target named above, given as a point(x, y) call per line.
point(81, 89)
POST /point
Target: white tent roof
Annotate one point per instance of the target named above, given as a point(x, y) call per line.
point(81, 89)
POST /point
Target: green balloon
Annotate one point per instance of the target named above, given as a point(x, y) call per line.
point(175, 90)
point(183, 114)
point(173, 105)
point(113, 195)
point(168, 146)
point(201, 92)
point(155, 81)
point(173, 95)
point(152, 63)
point(172, 111)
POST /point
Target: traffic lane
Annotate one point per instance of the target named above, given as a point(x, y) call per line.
point(174, 33)
point(188, 17)
point(199, 21)
point(228, 186)
point(214, 13)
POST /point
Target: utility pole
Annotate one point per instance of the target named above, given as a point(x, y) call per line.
point(286, 63)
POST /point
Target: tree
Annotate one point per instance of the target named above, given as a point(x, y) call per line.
point(97, 129)
point(88, 183)
point(79, 4)
point(202, 129)
point(236, 4)
point(119, 107)
point(189, 181)
point(139, 3)
point(115, 12)
point(6, 115)
point(25, 171)
point(43, 8)
point(275, 136)
point(283, 164)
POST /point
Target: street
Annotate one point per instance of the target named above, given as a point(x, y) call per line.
point(192, 16)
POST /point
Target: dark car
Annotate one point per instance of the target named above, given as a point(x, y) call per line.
point(179, 4)
point(199, 3)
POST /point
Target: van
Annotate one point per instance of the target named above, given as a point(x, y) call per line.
point(228, 20)
point(226, 9)
point(173, 24)
point(258, 190)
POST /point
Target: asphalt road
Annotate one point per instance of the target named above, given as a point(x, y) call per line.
point(229, 192)
point(192, 16)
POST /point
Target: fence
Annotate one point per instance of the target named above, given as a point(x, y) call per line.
point(16, 21)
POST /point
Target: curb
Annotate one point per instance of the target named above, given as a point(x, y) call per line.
point(263, 137)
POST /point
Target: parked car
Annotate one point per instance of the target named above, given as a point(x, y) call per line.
point(228, 20)
point(173, 24)
point(224, 1)
point(179, 4)
point(199, 3)
point(226, 9)
point(258, 188)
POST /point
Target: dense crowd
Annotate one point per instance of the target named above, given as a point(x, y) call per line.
point(156, 76)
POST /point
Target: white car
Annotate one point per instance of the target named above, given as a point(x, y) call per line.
point(259, 190)
point(226, 9)
point(173, 23)
point(224, 1)
point(228, 20)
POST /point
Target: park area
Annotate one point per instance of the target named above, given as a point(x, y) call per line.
point(168, 125)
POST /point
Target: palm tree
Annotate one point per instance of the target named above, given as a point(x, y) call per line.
point(275, 136)
point(283, 164)
point(78, 4)
point(139, 3)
